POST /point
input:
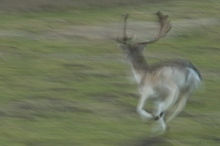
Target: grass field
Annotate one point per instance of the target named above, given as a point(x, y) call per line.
point(64, 81)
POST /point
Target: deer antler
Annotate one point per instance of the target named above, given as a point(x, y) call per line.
point(125, 37)
point(165, 27)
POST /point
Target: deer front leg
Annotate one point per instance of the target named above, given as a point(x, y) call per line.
point(140, 108)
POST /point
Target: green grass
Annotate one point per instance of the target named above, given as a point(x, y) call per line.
point(69, 90)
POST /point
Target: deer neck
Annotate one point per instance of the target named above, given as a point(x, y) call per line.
point(139, 66)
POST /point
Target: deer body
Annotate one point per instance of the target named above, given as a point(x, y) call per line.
point(169, 83)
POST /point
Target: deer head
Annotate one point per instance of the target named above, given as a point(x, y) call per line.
point(131, 48)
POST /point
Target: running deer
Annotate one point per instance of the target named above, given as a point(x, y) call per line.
point(169, 83)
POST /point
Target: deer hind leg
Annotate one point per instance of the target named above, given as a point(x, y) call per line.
point(192, 84)
point(170, 99)
point(164, 105)
point(160, 126)
point(179, 106)
point(140, 108)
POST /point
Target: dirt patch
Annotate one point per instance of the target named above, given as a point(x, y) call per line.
point(53, 5)
point(120, 108)
point(150, 141)
point(46, 107)
point(142, 30)
point(31, 108)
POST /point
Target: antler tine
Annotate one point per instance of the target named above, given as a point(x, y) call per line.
point(165, 27)
point(125, 37)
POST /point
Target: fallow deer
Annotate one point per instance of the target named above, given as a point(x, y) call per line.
point(169, 83)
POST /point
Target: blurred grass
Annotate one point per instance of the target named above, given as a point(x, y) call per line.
point(69, 90)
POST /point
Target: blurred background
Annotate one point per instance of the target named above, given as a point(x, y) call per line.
point(64, 81)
